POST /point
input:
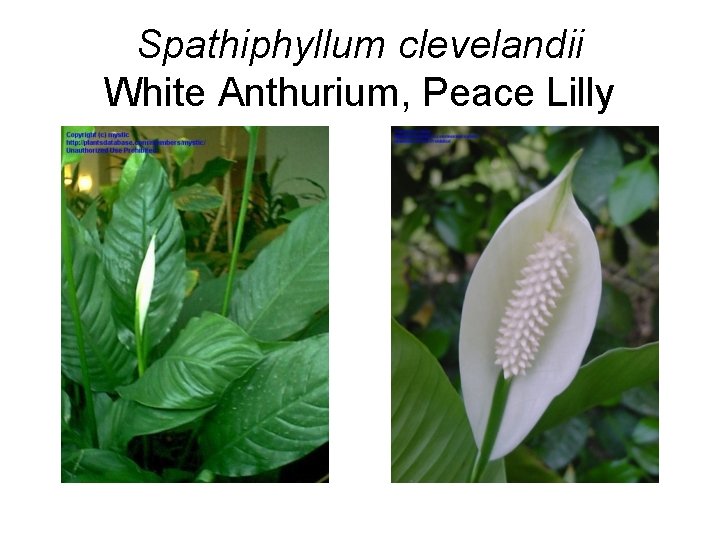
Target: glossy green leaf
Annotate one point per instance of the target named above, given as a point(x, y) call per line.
point(647, 456)
point(399, 289)
point(121, 420)
point(633, 192)
point(110, 363)
point(207, 356)
point(606, 376)
point(458, 219)
point(130, 170)
point(94, 465)
point(213, 169)
point(596, 170)
point(643, 400)
point(613, 471)
point(558, 446)
point(431, 437)
point(522, 465)
point(110, 194)
point(146, 209)
point(89, 222)
point(320, 324)
point(288, 282)
point(182, 152)
point(647, 431)
point(197, 198)
point(274, 415)
point(207, 296)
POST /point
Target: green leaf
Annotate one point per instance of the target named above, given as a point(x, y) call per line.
point(643, 400)
point(207, 296)
point(206, 357)
point(261, 241)
point(431, 436)
point(633, 192)
point(191, 281)
point(145, 209)
point(66, 410)
point(130, 171)
point(601, 379)
point(110, 363)
point(121, 420)
point(458, 220)
point(646, 431)
point(213, 169)
point(110, 194)
point(615, 315)
point(182, 152)
point(648, 457)
point(197, 198)
point(292, 215)
point(522, 465)
point(89, 222)
point(596, 170)
point(558, 446)
point(411, 222)
point(67, 131)
point(320, 324)
point(288, 282)
point(94, 465)
point(272, 416)
point(613, 471)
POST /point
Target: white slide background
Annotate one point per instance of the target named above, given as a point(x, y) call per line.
point(663, 64)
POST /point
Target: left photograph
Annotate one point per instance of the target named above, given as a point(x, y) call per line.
point(195, 313)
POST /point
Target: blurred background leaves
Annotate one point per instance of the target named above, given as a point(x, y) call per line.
point(448, 198)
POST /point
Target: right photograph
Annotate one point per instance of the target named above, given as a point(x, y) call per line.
point(524, 303)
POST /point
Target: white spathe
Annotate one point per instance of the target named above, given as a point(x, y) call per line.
point(495, 282)
point(144, 288)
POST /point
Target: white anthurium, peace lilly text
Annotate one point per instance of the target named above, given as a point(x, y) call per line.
point(529, 312)
point(144, 288)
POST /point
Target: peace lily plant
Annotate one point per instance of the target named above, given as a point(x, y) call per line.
point(528, 316)
point(178, 366)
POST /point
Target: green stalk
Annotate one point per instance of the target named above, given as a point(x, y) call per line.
point(500, 395)
point(66, 243)
point(252, 150)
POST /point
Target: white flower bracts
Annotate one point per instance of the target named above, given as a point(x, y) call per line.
point(531, 306)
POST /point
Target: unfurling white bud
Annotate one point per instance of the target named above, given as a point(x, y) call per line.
point(144, 288)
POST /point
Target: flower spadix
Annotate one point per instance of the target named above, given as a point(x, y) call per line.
point(529, 311)
point(143, 290)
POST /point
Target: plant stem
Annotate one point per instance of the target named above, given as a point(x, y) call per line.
point(67, 254)
point(252, 150)
point(500, 395)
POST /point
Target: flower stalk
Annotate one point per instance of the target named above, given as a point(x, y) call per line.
point(254, 132)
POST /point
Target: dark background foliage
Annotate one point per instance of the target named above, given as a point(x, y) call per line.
point(449, 197)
